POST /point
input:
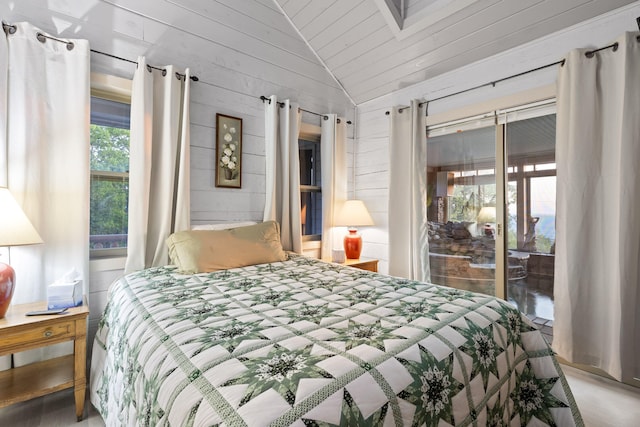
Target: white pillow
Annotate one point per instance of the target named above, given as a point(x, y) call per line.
point(223, 225)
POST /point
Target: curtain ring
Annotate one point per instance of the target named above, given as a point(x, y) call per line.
point(41, 37)
point(70, 45)
point(164, 72)
point(8, 28)
point(615, 46)
point(148, 68)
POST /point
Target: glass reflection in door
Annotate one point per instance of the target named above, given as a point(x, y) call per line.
point(461, 207)
point(531, 213)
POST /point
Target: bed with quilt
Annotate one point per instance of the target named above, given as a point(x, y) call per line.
point(302, 342)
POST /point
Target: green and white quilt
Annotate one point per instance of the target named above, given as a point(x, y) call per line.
point(307, 343)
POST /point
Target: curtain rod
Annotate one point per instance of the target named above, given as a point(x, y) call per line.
point(149, 67)
point(281, 104)
point(588, 54)
point(493, 83)
point(11, 29)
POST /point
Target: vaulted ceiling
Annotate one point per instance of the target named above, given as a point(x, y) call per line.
point(373, 47)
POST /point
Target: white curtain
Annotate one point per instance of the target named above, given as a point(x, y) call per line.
point(282, 197)
point(159, 200)
point(47, 146)
point(333, 154)
point(597, 268)
point(408, 244)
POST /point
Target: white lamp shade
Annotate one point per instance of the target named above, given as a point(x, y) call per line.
point(353, 213)
point(15, 227)
point(487, 214)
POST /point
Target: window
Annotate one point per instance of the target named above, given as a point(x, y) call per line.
point(407, 17)
point(310, 185)
point(109, 163)
point(310, 190)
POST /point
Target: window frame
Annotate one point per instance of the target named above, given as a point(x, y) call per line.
point(116, 89)
point(310, 133)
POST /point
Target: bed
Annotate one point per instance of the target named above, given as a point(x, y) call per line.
point(306, 343)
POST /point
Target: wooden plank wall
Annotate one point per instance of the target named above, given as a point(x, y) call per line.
point(240, 49)
point(372, 145)
point(353, 38)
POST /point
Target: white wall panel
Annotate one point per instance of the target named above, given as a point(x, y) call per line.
point(356, 39)
point(366, 56)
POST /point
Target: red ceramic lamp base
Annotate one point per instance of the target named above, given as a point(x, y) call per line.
point(7, 283)
point(352, 244)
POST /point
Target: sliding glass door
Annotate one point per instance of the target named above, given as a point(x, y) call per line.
point(491, 206)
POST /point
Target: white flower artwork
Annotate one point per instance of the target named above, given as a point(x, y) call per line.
point(229, 151)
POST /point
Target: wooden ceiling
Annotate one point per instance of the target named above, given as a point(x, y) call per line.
point(362, 45)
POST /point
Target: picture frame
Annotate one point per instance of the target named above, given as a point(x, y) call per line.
point(228, 151)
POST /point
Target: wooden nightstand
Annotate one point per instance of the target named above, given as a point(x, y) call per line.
point(19, 332)
point(362, 264)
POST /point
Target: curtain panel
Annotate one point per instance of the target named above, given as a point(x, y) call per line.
point(333, 154)
point(408, 231)
point(159, 164)
point(45, 134)
point(282, 192)
point(597, 278)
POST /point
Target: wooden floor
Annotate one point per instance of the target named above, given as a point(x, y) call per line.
point(603, 403)
point(54, 410)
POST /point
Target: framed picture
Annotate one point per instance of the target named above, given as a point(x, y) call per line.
point(228, 151)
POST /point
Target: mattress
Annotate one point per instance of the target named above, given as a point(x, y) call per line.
point(307, 343)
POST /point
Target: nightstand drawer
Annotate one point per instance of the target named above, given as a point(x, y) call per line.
point(364, 264)
point(371, 265)
point(40, 334)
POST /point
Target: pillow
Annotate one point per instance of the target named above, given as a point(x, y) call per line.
point(223, 226)
point(203, 251)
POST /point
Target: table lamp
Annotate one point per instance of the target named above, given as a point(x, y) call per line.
point(353, 214)
point(15, 230)
point(487, 216)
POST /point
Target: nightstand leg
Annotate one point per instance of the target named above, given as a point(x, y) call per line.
point(79, 371)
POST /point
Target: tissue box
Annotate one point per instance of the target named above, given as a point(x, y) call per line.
point(63, 295)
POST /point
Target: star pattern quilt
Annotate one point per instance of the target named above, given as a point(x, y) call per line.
point(308, 343)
